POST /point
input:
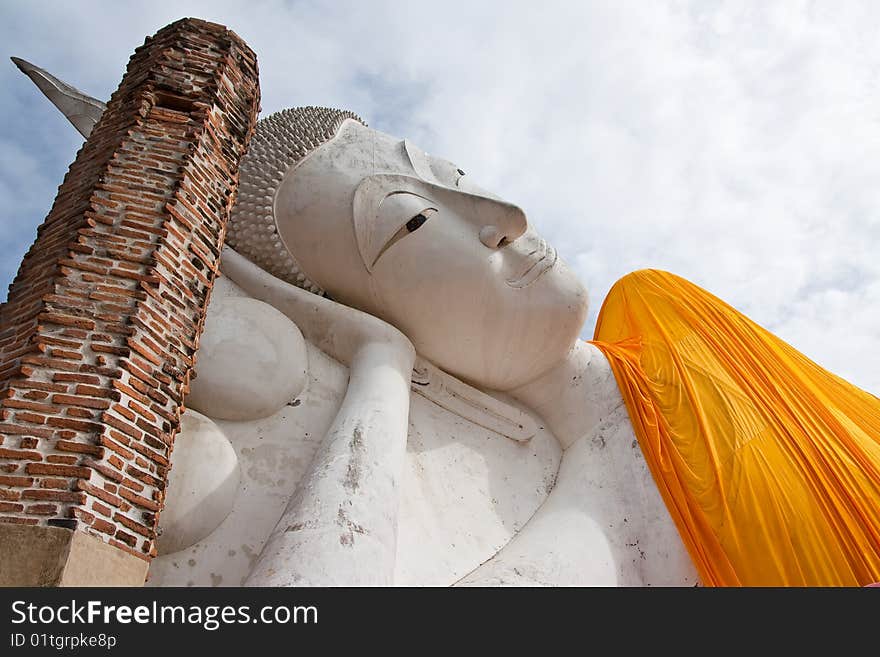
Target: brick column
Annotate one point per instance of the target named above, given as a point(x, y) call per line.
point(101, 327)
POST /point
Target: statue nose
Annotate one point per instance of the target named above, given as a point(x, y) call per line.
point(506, 226)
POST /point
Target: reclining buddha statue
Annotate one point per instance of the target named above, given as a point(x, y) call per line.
point(391, 390)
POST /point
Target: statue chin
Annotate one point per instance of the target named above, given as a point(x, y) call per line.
point(508, 341)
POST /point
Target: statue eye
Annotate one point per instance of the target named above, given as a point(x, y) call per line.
point(416, 222)
point(391, 216)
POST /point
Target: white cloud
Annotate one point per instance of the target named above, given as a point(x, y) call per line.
point(735, 144)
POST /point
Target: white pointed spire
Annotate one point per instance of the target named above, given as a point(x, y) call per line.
point(81, 110)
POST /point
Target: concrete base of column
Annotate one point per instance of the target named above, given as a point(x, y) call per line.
point(31, 555)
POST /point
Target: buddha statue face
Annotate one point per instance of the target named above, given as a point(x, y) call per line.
point(386, 228)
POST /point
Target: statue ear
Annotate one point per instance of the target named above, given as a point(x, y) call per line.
point(81, 110)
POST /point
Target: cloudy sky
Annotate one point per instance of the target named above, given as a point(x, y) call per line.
point(736, 144)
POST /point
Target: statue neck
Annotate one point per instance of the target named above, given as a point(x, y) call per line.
point(575, 395)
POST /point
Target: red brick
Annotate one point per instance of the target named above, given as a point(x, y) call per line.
point(78, 425)
point(124, 412)
point(19, 521)
point(40, 385)
point(123, 426)
point(82, 413)
point(16, 481)
point(134, 526)
point(116, 447)
point(25, 431)
point(95, 391)
point(105, 470)
point(136, 486)
point(82, 448)
point(119, 437)
point(81, 514)
point(125, 537)
point(24, 416)
point(153, 455)
point(30, 405)
point(145, 477)
point(54, 482)
point(42, 509)
point(76, 378)
point(62, 458)
point(56, 495)
point(60, 470)
point(102, 495)
point(131, 392)
point(139, 500)
point(63, 353)
point(20, 454)
point(104, 526)
point(75, 333)
point(68, 320)
point(86, 402)
point(123, 546)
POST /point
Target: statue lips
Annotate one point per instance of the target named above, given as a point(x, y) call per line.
point(541, 260)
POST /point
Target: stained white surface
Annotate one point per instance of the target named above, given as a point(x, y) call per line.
point(475, 507)
point(465, 490)
point(604, 524)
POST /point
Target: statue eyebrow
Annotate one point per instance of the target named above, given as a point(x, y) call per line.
point(418, 160)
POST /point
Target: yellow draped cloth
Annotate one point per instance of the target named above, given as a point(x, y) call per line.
point(768, 464)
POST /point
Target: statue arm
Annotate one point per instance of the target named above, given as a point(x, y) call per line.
point(341, 525)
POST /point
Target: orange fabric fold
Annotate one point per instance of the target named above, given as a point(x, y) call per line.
point(768, 464)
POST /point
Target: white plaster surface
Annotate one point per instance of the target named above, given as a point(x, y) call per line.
point(273, 453)
point(604, 524)
point(340, 527)
point(476, 508)
point(474, 505)
point(465, 490)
